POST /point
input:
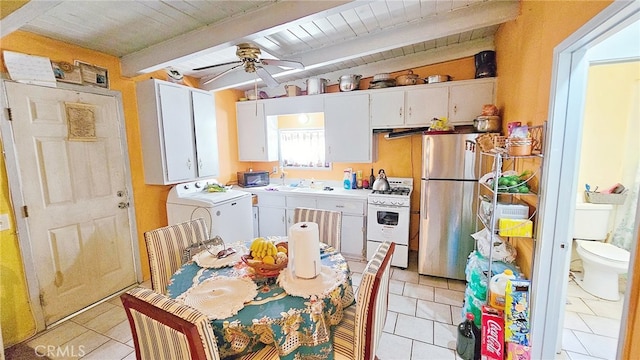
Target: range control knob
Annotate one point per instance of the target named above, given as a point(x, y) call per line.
point(186, 186)
point(198, 185)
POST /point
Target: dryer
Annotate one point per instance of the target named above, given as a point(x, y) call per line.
point(227, 214)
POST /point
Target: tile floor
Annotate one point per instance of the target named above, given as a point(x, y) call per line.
point(421, 323)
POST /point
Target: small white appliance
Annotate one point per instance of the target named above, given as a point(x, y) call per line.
point(388, 213)
point(602, 262)
point(227, 214)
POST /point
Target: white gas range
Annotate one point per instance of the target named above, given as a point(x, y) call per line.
point(388, 215)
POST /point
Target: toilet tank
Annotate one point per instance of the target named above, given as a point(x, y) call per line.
point(591, 221)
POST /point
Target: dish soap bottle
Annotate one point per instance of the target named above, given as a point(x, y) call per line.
point(347, 179)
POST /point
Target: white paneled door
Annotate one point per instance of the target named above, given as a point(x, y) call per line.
point(74, 188)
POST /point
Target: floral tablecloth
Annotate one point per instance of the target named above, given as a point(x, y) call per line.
point(300, 328)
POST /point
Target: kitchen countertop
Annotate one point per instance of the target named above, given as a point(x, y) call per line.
point(286, 190)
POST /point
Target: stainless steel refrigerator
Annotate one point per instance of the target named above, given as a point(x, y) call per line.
point(447, 204)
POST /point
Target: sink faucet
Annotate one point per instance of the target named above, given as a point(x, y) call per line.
point(282, 174)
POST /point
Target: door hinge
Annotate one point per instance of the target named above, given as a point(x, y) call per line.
point(42, 299)
point(7, 113)
point(25, 211)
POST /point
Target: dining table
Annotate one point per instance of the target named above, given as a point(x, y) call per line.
point(248, 311)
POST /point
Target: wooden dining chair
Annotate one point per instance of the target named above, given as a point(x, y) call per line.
point(356, 336)
point(163, 328)
point(329, 223)
point(165, 247)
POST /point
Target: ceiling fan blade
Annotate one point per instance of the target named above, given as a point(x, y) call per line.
point(216, 65)
point(285, 63)
point(221, 74)
point(266, 77)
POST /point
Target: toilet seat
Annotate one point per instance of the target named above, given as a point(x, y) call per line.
point(605, 250)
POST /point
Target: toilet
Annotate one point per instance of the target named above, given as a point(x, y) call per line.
point(602, 262)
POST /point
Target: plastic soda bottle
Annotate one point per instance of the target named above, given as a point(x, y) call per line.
point(468, 343)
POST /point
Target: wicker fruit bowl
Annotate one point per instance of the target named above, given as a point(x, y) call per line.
point(266, 270)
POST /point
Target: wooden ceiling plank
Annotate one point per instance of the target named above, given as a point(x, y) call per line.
point(427, 8)
point(354, 22)
point(381, 12)
point(217, 36)
point(25, 14)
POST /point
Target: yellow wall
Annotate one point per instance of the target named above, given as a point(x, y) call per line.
point(16, 319)
point(605, 134)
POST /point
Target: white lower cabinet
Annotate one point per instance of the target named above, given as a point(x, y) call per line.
point(353, 236)
point(271, 214)
point(276, 217)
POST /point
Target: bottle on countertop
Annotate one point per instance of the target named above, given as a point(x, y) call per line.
point(359, 179)
point(354, 181)
point(371, 179)
point(347, 179)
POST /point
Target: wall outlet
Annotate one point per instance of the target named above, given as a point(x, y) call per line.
point(4, 222)
point(275, 170)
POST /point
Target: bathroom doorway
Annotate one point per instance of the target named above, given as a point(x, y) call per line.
point(572, 61)
point(609, 154)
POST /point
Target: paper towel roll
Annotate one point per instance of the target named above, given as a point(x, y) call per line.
point(304, 240)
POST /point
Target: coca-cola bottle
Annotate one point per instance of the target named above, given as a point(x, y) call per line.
point(468, 343)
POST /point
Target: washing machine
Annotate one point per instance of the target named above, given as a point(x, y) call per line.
point(227, 214)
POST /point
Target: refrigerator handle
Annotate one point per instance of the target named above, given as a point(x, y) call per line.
point(426, 156)
point(425, 198)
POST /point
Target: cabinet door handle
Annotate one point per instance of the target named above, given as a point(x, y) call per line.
point(400, 113)
point(189, 163)
point(340, 206)
point(262, 149)
point(455, 109)
point(199, 163)
point(409, 111)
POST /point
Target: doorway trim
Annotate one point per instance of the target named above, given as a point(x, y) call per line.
point(566, 107)
point(17, 200)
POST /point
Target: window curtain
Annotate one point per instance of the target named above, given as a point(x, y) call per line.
point(302, 148)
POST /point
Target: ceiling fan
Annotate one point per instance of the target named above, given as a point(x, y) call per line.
point(249, 55)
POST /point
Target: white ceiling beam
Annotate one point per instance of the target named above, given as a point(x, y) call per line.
point(24, 14)
point(454, 22)
point(214, 37)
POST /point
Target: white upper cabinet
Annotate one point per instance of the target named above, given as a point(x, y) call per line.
point(204, 122)
point(467, 97)
point(257, 133)
point(387, 108)
point(424, 104)
point(348, 136)
point(415, 106)
point(408, 106)
point(170, 123)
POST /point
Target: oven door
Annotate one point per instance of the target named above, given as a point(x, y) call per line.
point(386, 222)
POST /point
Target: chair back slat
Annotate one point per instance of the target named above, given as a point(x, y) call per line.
point(329, 223)
point(372, 302)
point(163, 328)
point(165, 247)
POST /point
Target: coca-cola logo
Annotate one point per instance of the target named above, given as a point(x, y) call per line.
point(494, 343)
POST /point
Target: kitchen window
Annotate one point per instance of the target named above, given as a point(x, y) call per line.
point(303, 149)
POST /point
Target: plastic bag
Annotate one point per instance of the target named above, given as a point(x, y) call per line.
point(502, 251)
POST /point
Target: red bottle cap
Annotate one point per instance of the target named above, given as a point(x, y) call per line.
point(470, 316)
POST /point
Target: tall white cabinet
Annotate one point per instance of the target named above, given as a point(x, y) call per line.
point(178, 131)
point(257, 133)
point(347, 131)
